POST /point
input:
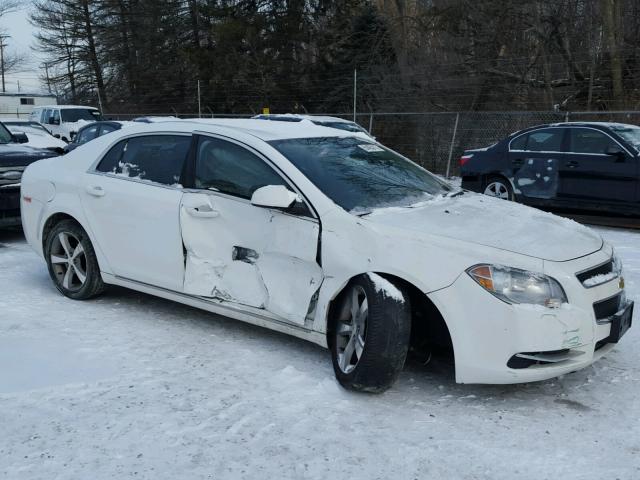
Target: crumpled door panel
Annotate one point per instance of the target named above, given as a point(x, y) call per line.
point(250, 255)
point(538, 178)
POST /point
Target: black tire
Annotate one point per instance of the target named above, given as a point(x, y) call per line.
point(85, 265)
point(498, 180)
point(386, 339)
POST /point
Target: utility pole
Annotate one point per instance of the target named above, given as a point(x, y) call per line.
point(99, 101)
point(46, 70)
point(2, 47)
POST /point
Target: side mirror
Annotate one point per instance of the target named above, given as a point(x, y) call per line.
point(54, 121)
point(20, 137)
point(615, 151)
point(273, 196)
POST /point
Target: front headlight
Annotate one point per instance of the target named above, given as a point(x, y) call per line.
point(513, 285)
point(617, 264)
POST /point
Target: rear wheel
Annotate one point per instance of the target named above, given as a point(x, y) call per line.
point(370, 333)
point(498, 187)
point(72, 262)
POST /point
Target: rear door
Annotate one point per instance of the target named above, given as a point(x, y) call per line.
point(535, 158)
point(598, 170)
point(239, 253)
point(132, 202)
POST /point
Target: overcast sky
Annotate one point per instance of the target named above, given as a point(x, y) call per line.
point(17, 25)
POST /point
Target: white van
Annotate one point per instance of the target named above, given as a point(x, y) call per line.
point(64, 121)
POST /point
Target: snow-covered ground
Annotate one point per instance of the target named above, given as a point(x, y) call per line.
point(131, 386)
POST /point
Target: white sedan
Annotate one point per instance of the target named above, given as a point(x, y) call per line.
point(331, 237)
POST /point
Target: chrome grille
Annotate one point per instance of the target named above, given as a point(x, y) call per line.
point(10, 175)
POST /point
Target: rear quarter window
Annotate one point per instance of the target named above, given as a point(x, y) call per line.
point(519, 143)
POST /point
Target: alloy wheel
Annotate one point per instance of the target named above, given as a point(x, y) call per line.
point(351, 328)
point(497, 189)
point(69, 261)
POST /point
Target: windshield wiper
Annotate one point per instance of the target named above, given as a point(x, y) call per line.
point(454, 194)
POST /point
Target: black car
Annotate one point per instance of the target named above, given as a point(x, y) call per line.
point(576, 166)
point(14, 158)
point(91, 131)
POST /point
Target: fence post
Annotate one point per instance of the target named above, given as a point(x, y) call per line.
point(199, 104)
point(453, 141)
point(355, 91)
point(566, 116)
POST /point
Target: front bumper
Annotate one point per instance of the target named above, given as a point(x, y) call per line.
point(488, 334)
point(9, 205)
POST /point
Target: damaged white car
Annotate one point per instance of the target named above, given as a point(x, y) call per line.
point(329, 237)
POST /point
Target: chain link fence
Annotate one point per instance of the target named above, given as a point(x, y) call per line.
point(436, 140)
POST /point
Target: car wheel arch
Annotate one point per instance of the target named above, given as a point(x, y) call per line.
point(498, 175)
point(56, 217)
point(426, 318)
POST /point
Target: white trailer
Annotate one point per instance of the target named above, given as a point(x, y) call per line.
point(21, 105)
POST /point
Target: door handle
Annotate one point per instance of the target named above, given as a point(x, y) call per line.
point(518, 162)
point(203, 211)
point(572, 164)
point(95, 190)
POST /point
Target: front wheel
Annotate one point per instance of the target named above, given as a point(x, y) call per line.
point(369, 334)
point(72, 262)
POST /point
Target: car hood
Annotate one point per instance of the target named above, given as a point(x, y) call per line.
point(39, 139)
point(495, 223)
point(17, 155)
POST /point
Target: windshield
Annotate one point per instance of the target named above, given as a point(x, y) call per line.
point(358, 175)
point(24, 126)
point(5, 135)
point(71, 115)
point(630, 133)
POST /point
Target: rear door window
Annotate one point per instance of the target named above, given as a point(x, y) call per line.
point(154, 158)
point(546, 140)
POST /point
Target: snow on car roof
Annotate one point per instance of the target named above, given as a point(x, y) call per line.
point(63, 107)
point(317, 118)
point(596, 124)
point(257, 128)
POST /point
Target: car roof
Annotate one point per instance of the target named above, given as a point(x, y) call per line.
point(63, 107)
point(16, 120)
point(121, 123)
point(299, 117)
point(594, 124)
point(258, 128)
point(580, 124)
point(155, 118)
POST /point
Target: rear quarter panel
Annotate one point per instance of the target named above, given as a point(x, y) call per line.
point(52, 185)
point(484, 162)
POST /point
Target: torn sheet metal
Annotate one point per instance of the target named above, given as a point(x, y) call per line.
point(250, 255)
point(538, 178)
